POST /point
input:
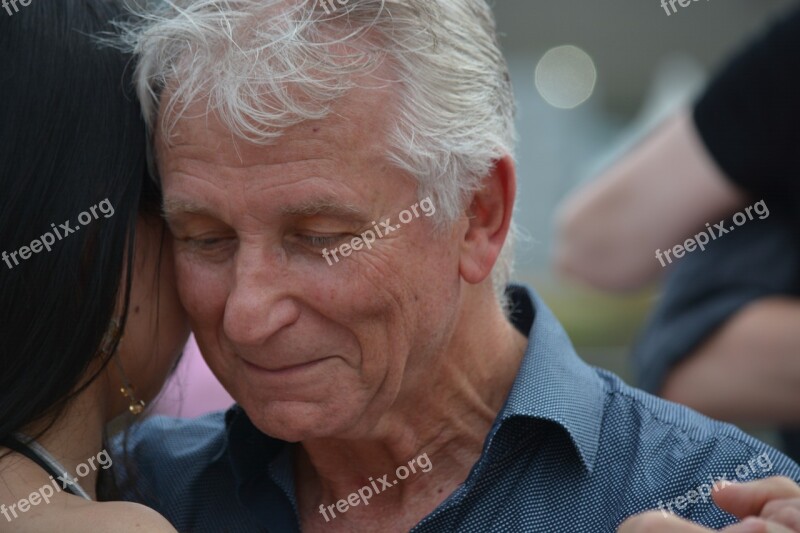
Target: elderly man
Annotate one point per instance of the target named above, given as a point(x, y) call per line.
point(339, 183)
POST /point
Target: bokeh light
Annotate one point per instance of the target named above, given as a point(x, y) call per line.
point(565, 76)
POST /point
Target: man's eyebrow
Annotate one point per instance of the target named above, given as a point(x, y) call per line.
point(322, 207)
point(175, 207)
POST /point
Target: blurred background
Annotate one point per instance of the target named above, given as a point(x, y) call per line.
point(591, 78)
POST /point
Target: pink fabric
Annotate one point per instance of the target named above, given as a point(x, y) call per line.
point(192, 390)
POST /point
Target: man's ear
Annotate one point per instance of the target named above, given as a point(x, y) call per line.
point(489, 216)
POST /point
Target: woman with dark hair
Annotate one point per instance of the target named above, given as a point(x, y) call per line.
point(90, 322)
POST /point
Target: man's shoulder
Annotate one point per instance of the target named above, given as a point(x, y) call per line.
point(651, 418)
point(668, 452)
point(182, 469)
point(168, 439)
point(163, 452)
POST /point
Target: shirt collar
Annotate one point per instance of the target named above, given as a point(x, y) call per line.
point(553, 383)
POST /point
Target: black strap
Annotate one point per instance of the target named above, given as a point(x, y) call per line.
point(13, 443)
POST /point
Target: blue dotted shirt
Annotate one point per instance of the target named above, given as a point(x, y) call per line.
point(573, 449)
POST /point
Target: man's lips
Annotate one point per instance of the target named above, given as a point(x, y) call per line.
point(286, 369)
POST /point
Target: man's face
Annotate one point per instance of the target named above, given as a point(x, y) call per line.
point(309, 347)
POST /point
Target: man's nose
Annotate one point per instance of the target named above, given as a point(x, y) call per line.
point(259, 304)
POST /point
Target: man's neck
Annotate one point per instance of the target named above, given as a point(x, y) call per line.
point(446, 417)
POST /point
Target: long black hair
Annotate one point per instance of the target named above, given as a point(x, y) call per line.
point(71, 137)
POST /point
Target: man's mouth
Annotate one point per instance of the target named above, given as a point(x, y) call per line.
point(285, 370)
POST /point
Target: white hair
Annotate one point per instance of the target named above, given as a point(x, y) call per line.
point(266, 65)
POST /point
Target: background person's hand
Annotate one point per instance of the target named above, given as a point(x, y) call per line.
point(770, 505)
point(655, 522)
point(774, 499)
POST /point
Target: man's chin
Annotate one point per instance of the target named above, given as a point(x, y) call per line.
point(296, 422)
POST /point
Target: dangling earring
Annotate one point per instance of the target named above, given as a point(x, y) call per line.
point(134, 406)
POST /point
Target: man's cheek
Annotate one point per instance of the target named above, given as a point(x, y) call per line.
point(203, 291)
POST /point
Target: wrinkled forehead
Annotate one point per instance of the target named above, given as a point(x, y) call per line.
point(358, 124)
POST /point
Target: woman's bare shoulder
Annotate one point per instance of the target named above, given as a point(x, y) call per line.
point(126, 517)
point(106, 517)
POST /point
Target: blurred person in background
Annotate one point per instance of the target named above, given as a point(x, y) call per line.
point(91, 324)
point(725, 337)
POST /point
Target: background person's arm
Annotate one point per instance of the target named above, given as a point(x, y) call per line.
point(743, 132)
point(748, 372)
point(656, 197)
